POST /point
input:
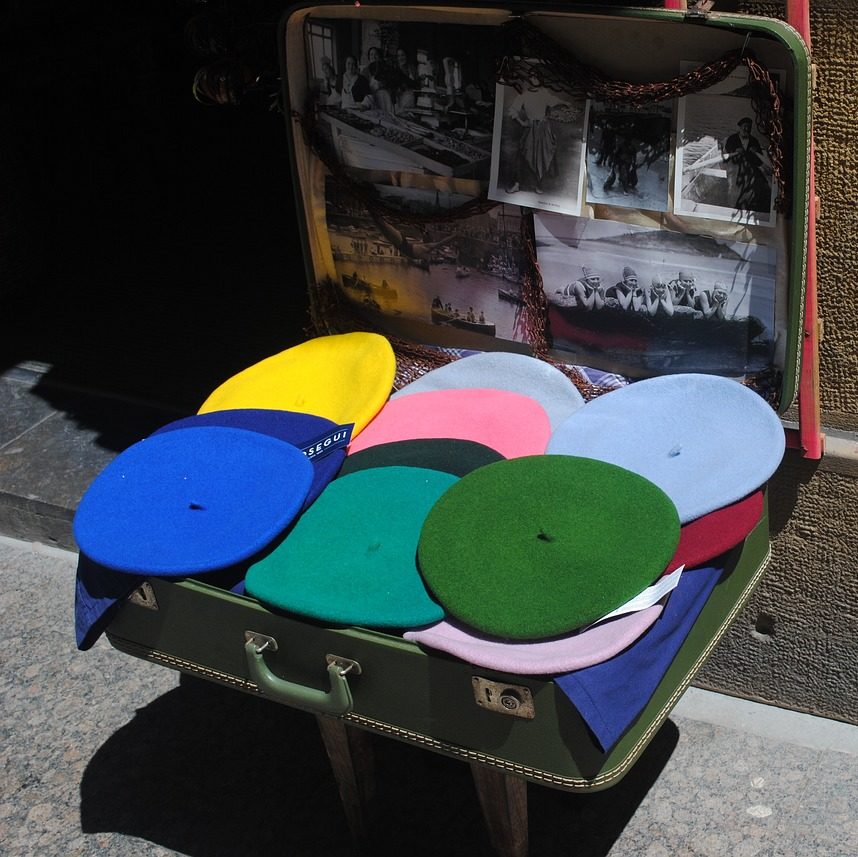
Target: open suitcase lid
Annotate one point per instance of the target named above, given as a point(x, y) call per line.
point(414, 226)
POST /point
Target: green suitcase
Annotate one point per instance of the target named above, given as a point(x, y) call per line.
point(387, 685)
point(379, 682)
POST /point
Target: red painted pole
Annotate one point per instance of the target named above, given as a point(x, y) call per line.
point(810, 439)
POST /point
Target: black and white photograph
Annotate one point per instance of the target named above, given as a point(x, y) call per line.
point(412, 97)
point(538, 153)
point(628, 155)
point(464, 273)
point(656, 301)
point(723, 167)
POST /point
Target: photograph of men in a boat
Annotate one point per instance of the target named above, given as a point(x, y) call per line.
point(538, 151)
point(459, 273)
point(402, 95)
point(723, 168)
point(653, 301)
point(628, 155)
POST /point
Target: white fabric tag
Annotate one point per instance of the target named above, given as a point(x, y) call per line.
point(663, 586)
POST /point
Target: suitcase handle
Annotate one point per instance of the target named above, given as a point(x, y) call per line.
point(336, 701)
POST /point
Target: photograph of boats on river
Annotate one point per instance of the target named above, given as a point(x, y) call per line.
point(408, 96)
point(538, 153)
point(461, 273)
point(723, 168)
point(628, 155)
point(650, 301)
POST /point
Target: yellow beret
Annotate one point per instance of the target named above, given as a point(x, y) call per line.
point(345, 377)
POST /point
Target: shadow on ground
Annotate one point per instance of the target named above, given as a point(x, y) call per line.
point(205, 770)
point(153, 250)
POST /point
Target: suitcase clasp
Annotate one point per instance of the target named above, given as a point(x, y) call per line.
point(513, 699)
point(144, 596)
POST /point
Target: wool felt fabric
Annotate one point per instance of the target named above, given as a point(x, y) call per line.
point(345, 378)
point(539, 546)
point(99, 591)
point(706, 441)
point(543, 657)
point(297, 429)
point(445, 454)
point(191, 501)
point(499, 370)
point(707, 537)
point(511, 424)
point(350, 559)
point(609, 696)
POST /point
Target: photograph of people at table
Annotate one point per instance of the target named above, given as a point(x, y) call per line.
point(404, 96)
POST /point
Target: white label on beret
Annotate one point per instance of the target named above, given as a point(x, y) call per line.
point(337, 438)
point(647, 598)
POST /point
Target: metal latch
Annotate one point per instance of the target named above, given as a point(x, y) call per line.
point(263, 642)
point(700, 9)
point(513, 699)
point(346, 665)
point(144, 596)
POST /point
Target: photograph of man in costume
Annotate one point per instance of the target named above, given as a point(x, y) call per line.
point(538, 148)
point(748, 169)
point(536, 145)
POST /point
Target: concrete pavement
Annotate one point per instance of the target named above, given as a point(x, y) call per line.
point(106, 754)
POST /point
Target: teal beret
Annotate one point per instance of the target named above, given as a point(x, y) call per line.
point(351, 557)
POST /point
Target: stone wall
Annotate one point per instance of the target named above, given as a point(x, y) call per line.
point(796, 644)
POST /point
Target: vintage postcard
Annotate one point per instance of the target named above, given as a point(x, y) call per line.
point(723, 170)
point(405, 96)
point(462, 273)
point(628, 155)
point(656, 301)
point(538, 151)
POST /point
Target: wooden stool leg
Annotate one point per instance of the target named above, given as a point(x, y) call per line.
point(503, 799)
point(350, 754)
